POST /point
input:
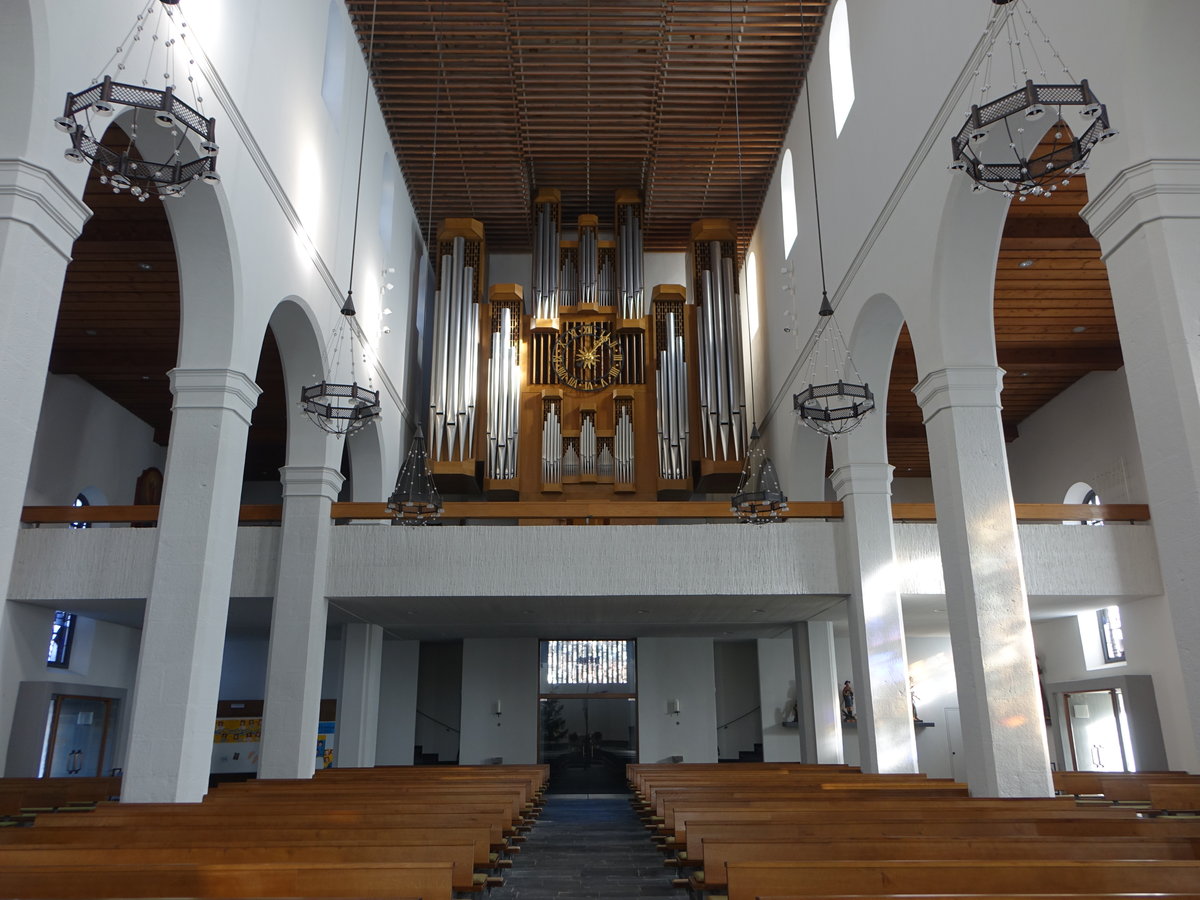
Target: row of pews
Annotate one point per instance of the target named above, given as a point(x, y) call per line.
point(782, 831)
point(432, 833)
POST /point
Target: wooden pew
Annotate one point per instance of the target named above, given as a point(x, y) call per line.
point(718, 854)
point(871, 829)
point(1175, 798)
point(752, 880)
point(459, 856)
point(51, 793)
point(66, 881)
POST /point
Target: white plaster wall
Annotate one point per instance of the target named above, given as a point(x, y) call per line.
point(1086, 434)
point(777, 695)
point(931, 666)
point(397, 703)
point(676, 669)
point(912, 490)
point(504, 671)
point(85, 440)
point(735, 669)
point(844, 668)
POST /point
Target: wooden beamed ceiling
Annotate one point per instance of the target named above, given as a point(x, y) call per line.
point(488, 101)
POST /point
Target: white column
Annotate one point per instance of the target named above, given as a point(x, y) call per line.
point(1004, 735)
point(358, 705)
point(398, 703)
point(818, 692)
point(183, 633)
point(39, 221)
point(886, 738)
point(1147, 220)
point(298, 618)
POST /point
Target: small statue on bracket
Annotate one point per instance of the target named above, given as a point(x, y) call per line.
point(913, 698)
point(848, 703)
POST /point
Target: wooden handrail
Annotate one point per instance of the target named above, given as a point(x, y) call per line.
point(558, 510)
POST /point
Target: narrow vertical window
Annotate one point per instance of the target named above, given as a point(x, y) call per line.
point(841, 72)
point(333, 77)
point(59, 653)
point(387, 202)
point(787, 198)
point(752, 295)
point(1112, 635)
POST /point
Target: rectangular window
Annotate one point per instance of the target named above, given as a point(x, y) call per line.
point(61, 632)
point(587, 666)
point(1112, 635)
point(333, 76)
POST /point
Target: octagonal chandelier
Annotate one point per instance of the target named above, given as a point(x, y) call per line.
point(1000, 146)
point(88, 112)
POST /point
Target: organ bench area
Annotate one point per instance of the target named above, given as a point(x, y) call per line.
point(596, 386)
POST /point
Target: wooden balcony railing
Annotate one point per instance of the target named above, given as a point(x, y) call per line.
point(581, 512)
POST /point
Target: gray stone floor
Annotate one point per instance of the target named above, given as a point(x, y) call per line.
point(587, 846)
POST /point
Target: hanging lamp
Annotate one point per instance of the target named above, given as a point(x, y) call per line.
point(834, 399)
point(1000, 146)
point(336, 407)
point(416, 500)
point(758, 499)
point(87, 114)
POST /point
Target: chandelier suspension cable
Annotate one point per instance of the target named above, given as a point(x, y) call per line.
point(812, 158)
point(362, 146)
point(431, 239)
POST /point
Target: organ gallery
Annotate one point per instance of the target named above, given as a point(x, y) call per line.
point(596, 385)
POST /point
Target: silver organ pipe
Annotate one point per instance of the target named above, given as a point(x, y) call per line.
point(623, 444)
point(456, 342)
point(631, 289)
point(546, 255)
point(504, 395)
point(671, 391)
point(589, 259)
point(587, 445)
point(722, 393)
point(551, 442)
point(607, 278)
point(570, 461)
point(604, 463)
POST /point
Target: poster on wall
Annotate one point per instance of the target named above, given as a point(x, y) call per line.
point(236, 745)
point(326, 733)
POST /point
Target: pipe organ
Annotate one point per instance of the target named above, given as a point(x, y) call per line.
point(594, 384)
point(722, 413)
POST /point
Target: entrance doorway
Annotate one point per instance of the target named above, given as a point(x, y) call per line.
point(587, 714)
point(1098, 731)
point(77, 736)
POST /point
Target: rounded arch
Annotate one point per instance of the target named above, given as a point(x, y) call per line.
point(964, 270)
point(22, 32)
point(872, 345)
point(206, 251)
point(297, 334)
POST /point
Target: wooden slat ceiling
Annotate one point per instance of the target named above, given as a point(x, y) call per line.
point(488, 101)
point(1053, 315)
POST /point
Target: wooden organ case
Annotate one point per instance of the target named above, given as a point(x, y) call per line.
point(594, 386)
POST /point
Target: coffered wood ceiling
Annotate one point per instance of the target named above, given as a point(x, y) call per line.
point(516, 100)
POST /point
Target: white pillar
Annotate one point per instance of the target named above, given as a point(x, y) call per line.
point(183, 633)
point(398, 703)
point(298, 618)
point(886, 738)
point(1147, 220)
point(1004, 734)
point(358, 705)
point(39, 221)
point(818, 691)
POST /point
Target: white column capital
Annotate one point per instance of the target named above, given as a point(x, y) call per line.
point(214, 389)
point(35, 197)
point(862, 478)
point(959, 386)
point(311, 481)
point(1140, 194)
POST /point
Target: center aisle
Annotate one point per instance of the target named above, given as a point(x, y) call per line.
point(587, 846)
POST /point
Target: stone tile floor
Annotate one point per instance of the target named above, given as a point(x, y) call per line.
point(587, 846)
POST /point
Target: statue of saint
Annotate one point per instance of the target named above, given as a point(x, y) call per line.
point(847, 702)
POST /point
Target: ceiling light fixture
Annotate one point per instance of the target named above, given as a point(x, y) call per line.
point(336, 407)
point(416, 500)
point(759, 499)
point(1001, 123)
point(129, 169)
point(835, 399)
point(1025, 264)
